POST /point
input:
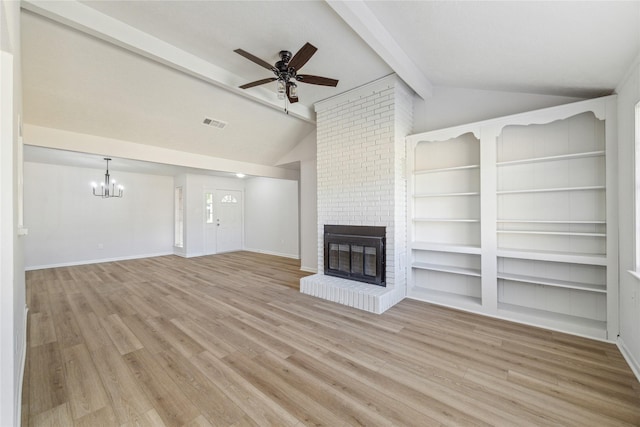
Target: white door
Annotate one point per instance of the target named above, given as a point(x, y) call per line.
point(209, 223)
point(228, 213)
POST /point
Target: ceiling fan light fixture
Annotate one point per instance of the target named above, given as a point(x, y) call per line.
point(281, 88)
point(293, 90)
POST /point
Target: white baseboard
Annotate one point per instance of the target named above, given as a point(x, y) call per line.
point(260, 251)
point(96, 261)
point(193, 255)
point(23, 362)
point(631, 361)
point(309, 269)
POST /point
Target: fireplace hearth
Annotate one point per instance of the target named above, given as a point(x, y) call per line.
point(355, 252)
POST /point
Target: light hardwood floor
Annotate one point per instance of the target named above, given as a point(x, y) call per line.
point(228, 340)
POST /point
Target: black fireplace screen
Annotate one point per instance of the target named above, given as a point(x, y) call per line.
point(355, 252)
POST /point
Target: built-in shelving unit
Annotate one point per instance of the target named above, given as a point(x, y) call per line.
point(446, 220)
point(513, 217)
point(556, 175)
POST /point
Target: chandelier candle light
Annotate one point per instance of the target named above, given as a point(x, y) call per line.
point(108, 186)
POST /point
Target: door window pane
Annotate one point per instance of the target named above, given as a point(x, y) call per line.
point(208, 207)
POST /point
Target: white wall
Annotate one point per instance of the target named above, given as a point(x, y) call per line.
point(629, 340)
point(68, 225)
point(271, 216)
point(304, 150)
point(12, 283)
point(308, 216)
point(304, 153)
point(450, 106)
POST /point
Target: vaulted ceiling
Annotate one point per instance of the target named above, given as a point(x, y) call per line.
point(149, 72)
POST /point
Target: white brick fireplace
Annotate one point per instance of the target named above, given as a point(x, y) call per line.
point(361, 181)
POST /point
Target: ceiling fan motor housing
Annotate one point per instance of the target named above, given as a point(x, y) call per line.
point(285, 56)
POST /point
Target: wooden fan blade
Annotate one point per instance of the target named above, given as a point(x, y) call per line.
point(302, 56)
point(258, 83)
point(316, 80)
point(254, 58)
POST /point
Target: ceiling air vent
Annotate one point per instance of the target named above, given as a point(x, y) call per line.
point(219, 124)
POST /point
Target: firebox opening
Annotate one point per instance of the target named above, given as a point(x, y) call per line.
point(355, 253)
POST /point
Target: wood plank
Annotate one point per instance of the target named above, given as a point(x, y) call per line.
point(379, 402)
point(306, 409)
point(127, 398)
point(60, 416)
point(41, 329)
point(213, 404)
point(351, 410)
point(103, 417)
point(122, 337)
point(150, 418)
point(209, 339)
point(174, 408)
point(47, 388)
point(258, 406)
point(86, 393)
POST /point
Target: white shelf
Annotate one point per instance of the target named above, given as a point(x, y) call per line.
point(475, 193)
point(553, 320)
point(444, 247)
point(552, 233)
point(444, 298)
point(446, 220)
point(596, 259)
point(448, 169)
point(552, 190)
point(552, 158)
point(447, 269)
point(553, 282)
point(529, 221)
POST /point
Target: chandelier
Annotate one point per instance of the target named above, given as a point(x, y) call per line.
point(108, 187)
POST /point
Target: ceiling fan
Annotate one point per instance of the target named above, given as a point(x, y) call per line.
point(286, 71)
